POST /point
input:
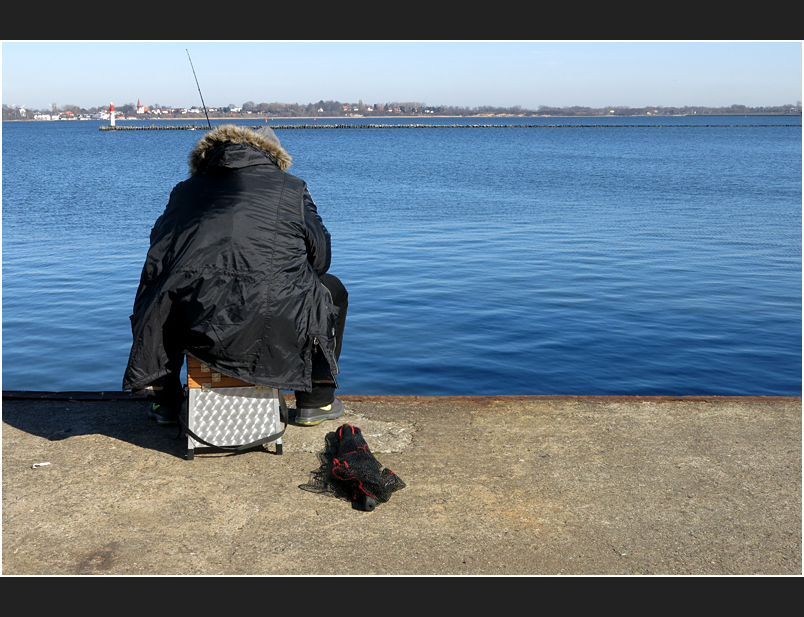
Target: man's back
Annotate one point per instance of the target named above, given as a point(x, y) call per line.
point(229, 278)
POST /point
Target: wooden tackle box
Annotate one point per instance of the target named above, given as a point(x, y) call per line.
point(224, 413)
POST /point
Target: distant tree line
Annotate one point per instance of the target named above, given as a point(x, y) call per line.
point(404, 108)
point(616, 110)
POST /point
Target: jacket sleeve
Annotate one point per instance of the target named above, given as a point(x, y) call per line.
point(316, 236)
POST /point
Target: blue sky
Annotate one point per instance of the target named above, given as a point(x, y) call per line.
point(498, 73)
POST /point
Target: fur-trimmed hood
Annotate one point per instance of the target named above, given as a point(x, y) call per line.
point(262, 138)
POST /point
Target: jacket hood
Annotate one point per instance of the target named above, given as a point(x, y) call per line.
point(262, 138)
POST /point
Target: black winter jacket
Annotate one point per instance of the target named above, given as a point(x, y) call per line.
point(232, 271)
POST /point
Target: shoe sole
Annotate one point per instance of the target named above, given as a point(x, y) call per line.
point(312, 421)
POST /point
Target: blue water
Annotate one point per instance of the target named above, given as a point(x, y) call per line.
point(553, 260)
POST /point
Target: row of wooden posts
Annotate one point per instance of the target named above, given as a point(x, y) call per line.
point(194, 127)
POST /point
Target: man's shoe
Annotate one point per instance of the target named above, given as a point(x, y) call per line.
point(316, 415)
point(164, 415)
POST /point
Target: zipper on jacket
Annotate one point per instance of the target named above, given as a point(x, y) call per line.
point(331, 374)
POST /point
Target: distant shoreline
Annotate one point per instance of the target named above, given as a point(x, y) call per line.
point(414, 117)
point(421, 116)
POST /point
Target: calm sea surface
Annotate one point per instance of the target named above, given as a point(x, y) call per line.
point(549, 260)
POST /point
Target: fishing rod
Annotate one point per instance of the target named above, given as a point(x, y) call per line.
point(199, 88)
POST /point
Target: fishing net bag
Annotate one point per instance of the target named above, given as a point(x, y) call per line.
point(350, 471)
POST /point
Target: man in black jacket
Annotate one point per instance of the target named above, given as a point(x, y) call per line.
point(237, 277)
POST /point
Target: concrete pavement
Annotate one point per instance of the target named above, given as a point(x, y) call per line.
point(498, 485)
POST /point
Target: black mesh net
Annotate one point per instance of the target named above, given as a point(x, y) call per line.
point(349, 471)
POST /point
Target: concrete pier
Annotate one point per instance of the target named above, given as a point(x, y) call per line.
point(525, 485)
